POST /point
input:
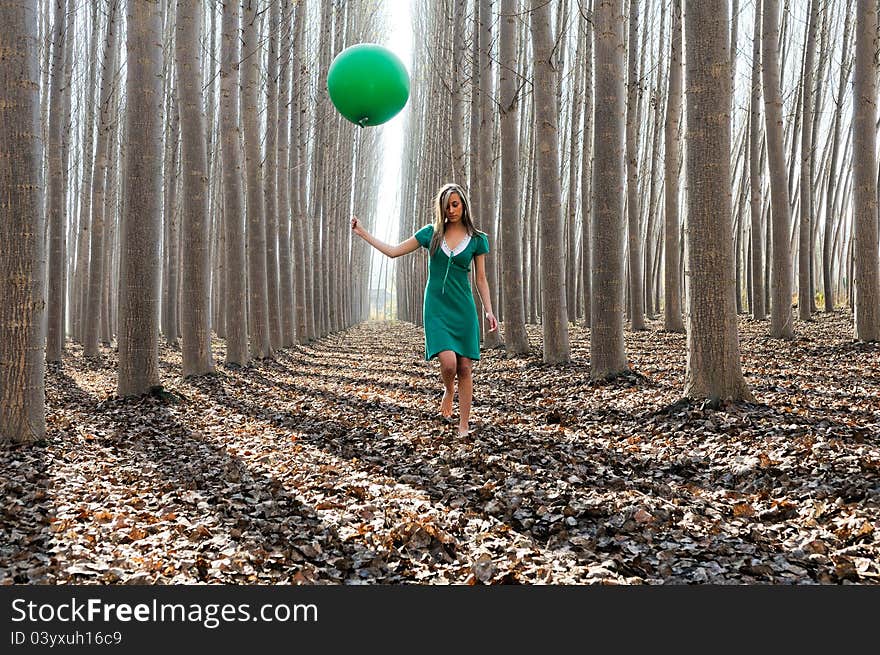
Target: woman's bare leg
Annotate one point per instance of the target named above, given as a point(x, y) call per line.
point(465, 393)
point(447, 375)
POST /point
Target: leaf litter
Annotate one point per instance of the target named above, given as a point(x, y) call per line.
point(330, 464)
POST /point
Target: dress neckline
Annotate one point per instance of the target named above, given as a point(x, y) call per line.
point(459, 248)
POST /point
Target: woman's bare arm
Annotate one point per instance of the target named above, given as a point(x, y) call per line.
point(403, 248)
point(483, 290)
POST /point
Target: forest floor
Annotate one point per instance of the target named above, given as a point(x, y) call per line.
point(331, 464)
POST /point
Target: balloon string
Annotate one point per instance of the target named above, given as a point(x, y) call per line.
point(354, 164)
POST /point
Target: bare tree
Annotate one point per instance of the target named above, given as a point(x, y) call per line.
point(865, 202)
point(22, 264)
point(233, 205)
point(270, 172)
point(554, 312)
point(756, 146)
point(55, 190)
point(195, 226)
point(828, 241)
point(515, 338)
point(99, 174)
point(141, 217)
point(607, 348)
point(256, 226)
point(780, 308)
point(636, 291)
point(714, 370)
point(672, 263)
point(805, 251)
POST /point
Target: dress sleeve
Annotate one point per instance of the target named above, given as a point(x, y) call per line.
point(481, 247)
point(424, 235)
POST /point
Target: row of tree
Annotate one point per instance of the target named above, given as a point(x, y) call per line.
point(594, 154)
point(197, 180)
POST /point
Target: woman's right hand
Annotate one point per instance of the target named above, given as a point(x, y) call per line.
point(356, 225)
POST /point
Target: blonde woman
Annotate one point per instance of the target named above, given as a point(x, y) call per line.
point(452, 330)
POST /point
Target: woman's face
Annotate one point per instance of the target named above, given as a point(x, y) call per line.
point(453, 208)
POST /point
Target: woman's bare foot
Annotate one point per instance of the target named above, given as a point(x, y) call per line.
point(463, 431)
point(446, 404)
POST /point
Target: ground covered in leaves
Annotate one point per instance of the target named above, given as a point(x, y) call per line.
point(331, 464)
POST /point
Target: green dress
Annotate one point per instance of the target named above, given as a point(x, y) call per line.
point(450, 314)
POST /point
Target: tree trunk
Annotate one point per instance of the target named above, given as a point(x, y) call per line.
point(270, 172)
point(515, 338)
point(756, 144)
point(634, 242)
point(827, 251)
point(587, 168)
point(256, 228)
point(22, 266)
point(865, 235)
point(233, 205)
point(103, 152)
point(672, 131)
point(607, 348)
point(554, 313)
point(780, 307)
point(805, 252)
point(195, 226)
point(141, 218)
point(714, 370)
point(285, 289)
point(55, 190)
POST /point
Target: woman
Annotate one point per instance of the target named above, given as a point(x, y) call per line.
point(452, 331)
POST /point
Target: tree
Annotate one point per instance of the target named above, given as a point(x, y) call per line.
point(755, 163)
point(99, 186)
point(554, 312)
point(516, 340)
point(55, 189)
point(672, 264)
point(270, 172)
point(256, 228)
point(233, 205)
point(867, 277)
point(714, 370)
point(141, 224)
point(805, 231)
point(780, 306)
point(634, 242)
point(195, 245)
point(22, 259)
point(607, 348)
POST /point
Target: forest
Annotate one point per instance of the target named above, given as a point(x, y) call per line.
point(207, 377)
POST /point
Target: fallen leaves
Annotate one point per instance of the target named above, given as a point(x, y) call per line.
point(330, 464)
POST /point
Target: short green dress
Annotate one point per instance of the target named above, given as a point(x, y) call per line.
point(450, 314)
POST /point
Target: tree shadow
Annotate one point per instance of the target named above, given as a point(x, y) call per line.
point(258, 529)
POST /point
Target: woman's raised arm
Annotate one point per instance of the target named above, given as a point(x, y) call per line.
point(403, 248)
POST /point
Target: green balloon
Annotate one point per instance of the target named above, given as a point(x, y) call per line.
point(368, 84)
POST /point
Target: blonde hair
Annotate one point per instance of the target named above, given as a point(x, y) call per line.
point(441, 202)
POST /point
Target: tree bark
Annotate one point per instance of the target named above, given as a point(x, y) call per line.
point(195, 225)
point(141, 219)
point(607, 348)
point(554, 312)
point(55, 190)
point(634, 241)
point(99, 186)
point(671, 279)
point(515, 338)
point(865, 235)
point(256, 227)
point(714, 370)
point(780, 308)
point(22, 266)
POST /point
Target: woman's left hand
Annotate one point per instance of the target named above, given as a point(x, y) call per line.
point(493, 322)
